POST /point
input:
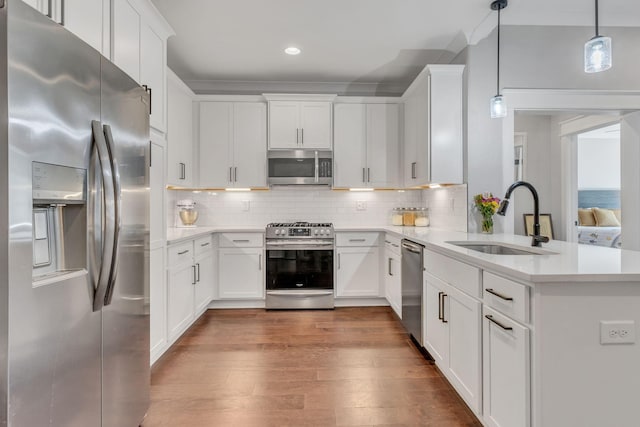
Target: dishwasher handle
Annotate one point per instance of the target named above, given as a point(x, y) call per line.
point(412, 247)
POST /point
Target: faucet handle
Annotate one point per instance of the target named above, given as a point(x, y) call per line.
point(536, 240)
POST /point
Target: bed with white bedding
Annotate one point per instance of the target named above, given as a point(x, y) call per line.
point(610, 237)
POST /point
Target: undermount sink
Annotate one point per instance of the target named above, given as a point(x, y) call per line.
point(500, 248)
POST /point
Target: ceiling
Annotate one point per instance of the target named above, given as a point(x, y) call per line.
point(346, 43)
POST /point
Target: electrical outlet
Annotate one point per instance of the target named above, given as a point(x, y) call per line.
point(361, 205)
point(246, 205)
point(617, 332)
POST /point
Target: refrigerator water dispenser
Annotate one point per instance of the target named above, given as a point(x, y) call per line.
point(59, 232)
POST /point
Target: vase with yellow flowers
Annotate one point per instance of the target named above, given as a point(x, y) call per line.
point(487, 205)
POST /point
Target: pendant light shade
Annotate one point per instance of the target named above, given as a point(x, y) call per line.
point(597, 51)
point(497, 103)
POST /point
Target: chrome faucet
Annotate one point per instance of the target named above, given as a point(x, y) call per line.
point(537, 239)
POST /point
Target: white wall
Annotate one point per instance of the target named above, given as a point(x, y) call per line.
point(598, 164)
point(532, 57)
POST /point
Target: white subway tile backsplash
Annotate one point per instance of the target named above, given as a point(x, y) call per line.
point(339, 207)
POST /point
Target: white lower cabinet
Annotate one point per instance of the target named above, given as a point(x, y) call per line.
point(392, 274)
point(452, 336)
point(190, 283)
point(506, 371)
point(358, 265)
point(241, 266)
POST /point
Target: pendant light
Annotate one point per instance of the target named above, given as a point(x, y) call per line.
point(597, 51)
point(498, 105)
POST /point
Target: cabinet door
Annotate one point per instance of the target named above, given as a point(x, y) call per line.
point(382, 145)
point(393, 283)
point(315, 124)
point(349, 145)
point(358, 272)
point(250, 144)
point(180, 299)
point(422, 136)
point(157, 220)
point(126, 38)
point(203, 289)
point(436, 326)
point(410, 150)
point(505, 371)
point(216, 141)
point(152, 74)
point(240, 273)
point(158, 304)
point(179, 134)
point(84, 18)
point(464, 367)
point(284, 128)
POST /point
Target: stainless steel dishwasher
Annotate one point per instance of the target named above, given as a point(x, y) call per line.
point(412, 267)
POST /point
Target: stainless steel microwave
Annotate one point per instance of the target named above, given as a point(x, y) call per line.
point(300, 167)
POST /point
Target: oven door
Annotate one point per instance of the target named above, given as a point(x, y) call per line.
point(299, 277)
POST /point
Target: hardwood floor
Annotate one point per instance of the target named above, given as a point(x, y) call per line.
point(347, 367)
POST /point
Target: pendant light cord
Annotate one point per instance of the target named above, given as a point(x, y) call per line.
point(597, 26)
point(498, 60)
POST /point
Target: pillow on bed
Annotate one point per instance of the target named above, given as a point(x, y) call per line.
point(586, 217)
point(618, 214)
point(605, 218)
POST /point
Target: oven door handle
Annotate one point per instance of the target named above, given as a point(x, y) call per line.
point(299, 245)
point(301, 294)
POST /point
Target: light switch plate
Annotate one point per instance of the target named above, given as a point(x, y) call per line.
point(617, 332)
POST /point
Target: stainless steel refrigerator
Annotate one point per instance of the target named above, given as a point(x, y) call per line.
point(74, 208)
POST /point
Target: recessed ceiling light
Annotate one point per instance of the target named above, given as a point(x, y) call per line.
point(291, 50)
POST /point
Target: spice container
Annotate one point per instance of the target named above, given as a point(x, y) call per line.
point(396, 216)
point(409, 216)
point(422, 217)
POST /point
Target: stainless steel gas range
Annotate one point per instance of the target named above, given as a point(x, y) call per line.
point(299, 265)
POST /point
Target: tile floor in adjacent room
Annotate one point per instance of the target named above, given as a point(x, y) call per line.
point(346, 367)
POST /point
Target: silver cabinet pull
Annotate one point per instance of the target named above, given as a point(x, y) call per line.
point(389, 267)
point(62, 12)
point(193, 268)
point(148, 89)
point(230, 174)
point(205, 244)
point(491, 319)
point(440, 305)
point(198, 271)
point(297, 136)
point(183, 170)
point(183, 252)
point(235, 174)
point(368, 175)
point(492, 292)
point(241, 241)
point(413, 170)
point(302, 133)
point(357, 240)
point(364, 175)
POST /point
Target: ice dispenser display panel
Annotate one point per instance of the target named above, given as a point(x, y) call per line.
point(59, 222)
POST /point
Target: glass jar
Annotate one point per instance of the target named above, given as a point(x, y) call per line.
point(422, 217)
point(396, 216)
point(409, 216)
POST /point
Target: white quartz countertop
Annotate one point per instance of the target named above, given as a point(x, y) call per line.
point(569, 262)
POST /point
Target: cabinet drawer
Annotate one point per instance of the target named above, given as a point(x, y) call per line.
point(393, 244)
point(506, 296)
point(241, 240)
point(203, 245)
point(180, 254)
point(463, 276)
point(357, 239)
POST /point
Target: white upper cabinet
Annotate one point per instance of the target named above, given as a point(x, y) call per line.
point(88, 19)
point(139, 47)
point(179, 133)
point(366, 145)
point(298, 123)
point(233, 146)
point(433, 127)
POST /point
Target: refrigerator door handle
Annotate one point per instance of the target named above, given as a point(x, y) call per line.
point(108, 222)
point(117, 209)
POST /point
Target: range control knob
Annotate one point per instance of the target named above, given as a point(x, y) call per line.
point(283, 231)
point(316, 231)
